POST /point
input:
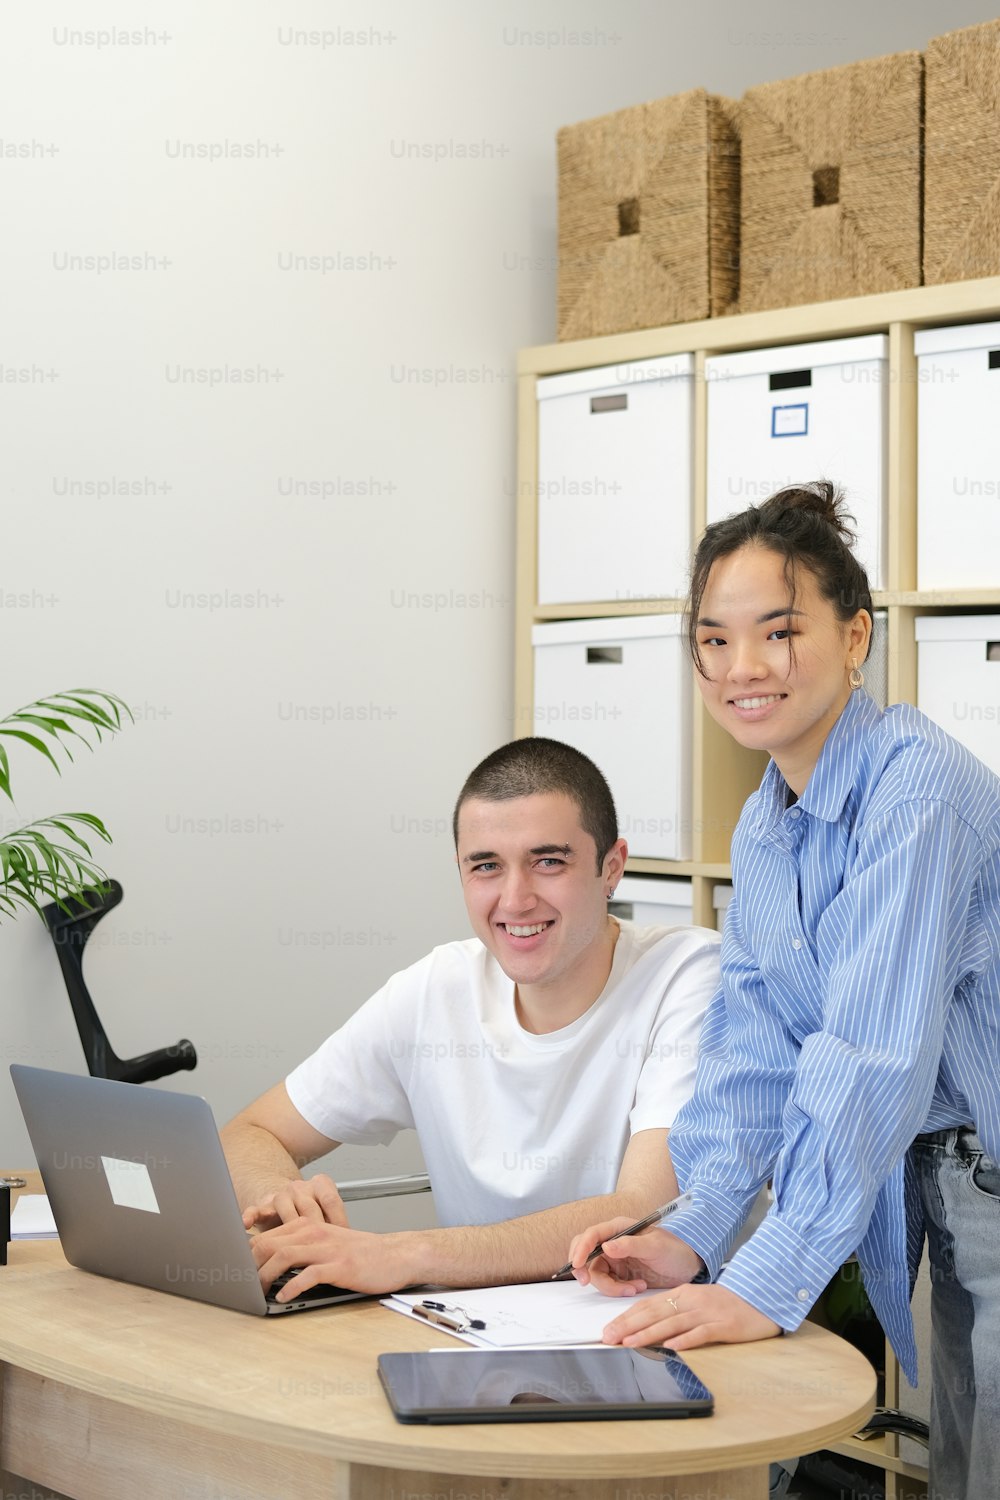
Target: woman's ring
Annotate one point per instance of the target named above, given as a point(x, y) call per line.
point(673, 1304)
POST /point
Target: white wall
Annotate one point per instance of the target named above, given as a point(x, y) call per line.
point(381, 604)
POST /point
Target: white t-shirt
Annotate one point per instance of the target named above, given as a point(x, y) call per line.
point(510, 1122)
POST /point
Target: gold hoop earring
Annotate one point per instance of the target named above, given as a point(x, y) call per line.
point(856, 678)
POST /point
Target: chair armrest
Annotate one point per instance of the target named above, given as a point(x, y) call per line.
point(384, 1187)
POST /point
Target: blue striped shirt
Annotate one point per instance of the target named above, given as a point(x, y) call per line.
point(860, 1007)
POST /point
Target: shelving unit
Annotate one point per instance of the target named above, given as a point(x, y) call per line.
point(723, 774)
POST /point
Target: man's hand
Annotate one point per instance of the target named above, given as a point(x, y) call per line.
point(314, 1198)
point(689, 1316)
point(328, 1253)
point(634, 1262)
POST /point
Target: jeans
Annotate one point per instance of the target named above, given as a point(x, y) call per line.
point(960, 1186)
point(779, 1477)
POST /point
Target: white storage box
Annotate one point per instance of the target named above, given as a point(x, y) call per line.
point(614, 482)
point(721, 897)
point(958, 457)
point(800, 413)
point(621, 691)
point(653, 900)
point(958, 679)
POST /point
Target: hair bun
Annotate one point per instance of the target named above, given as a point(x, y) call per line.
point(822, 498)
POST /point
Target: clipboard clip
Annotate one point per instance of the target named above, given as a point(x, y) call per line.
point(442, 1315)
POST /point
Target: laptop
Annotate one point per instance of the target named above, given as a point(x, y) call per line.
point(140, 1190)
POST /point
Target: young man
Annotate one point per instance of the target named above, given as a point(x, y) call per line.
point(541, 1062)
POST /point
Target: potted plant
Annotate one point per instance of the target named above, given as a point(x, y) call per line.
point(51, 859)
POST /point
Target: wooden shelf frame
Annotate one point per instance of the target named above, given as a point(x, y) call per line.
point(922, 306)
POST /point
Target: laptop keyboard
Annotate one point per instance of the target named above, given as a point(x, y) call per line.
point(313, 1294)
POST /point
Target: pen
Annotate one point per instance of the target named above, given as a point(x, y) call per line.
point(640, 1224)
point(432, 1312)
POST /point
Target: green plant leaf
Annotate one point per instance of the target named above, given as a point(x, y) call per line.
point(69, 832)
point(85, 703)
point(50, 724)
point(22, 734)
point(49, 860)
point(80, 714)
point(36, 867)
point(54, 727)
point(92, 822)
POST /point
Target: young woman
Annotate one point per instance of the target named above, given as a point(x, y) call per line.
point(853, 1052)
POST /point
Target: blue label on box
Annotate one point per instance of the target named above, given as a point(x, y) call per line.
point(790, 421)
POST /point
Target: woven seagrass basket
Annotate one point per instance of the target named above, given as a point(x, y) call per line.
point(830, 200)
point(648, 216)
point(962, 155)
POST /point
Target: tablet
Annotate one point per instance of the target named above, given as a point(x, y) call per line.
point(541, 1385)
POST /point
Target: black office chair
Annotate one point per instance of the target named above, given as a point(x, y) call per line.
point(70, 925)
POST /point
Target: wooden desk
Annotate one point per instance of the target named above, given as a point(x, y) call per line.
point(111, 1391)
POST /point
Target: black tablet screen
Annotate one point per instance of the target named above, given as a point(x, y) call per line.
point(541, 1384)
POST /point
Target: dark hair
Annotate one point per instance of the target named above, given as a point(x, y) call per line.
point(804, 524)
point(528, 766)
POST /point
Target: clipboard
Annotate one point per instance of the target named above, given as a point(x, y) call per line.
point(548, 1313)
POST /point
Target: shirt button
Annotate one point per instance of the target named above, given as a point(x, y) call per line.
point(796, 812)
point(802, 1295)
point(796, 943)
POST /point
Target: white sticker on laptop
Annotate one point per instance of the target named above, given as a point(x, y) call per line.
point(130, 1184)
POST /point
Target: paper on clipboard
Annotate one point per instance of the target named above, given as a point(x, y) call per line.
point(541, 1314)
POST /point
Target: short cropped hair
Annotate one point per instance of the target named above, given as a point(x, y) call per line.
point(528, 766)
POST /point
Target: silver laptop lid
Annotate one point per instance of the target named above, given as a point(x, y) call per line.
point(139, 1186)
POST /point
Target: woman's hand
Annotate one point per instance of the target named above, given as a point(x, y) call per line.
point(689, 1316)
point(634, 1262)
